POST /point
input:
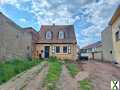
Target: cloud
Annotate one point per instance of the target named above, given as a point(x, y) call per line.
point(22, 20)
point(96, 12)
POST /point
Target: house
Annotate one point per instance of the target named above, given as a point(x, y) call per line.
point(57, 40)
point(34, 35)
point(93, 51)
point(111, 39)
point(107, 44)
point(14, 41)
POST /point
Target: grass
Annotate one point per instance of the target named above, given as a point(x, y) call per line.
point(13, 67)
point(53, 75)
point(85, 85)
point(73, 69)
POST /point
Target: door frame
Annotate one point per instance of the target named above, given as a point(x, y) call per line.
point(46, 51)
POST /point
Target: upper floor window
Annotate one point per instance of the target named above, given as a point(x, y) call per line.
point(49, 35)
point(61, 35)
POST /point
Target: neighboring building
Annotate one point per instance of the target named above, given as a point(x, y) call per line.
point(57, 40)
point(34, 35)
point(107, 44)
point(14, 42)
point(93, 51)
point(111, 39)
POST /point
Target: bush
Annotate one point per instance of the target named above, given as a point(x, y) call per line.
point(14, 67)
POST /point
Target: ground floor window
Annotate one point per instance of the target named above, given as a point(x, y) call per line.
point(64, 49)
point(57, 49)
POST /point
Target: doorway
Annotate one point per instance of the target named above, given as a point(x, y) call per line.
point(47, 49)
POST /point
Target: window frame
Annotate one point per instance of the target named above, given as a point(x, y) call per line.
point(57, 47)
point(53, 49)
point(48, 35)
point(61, 35)
point(66, 49)
point(69, 49)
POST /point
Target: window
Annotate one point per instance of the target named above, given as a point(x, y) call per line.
point(89, 50)
point(61, 35)
point(69, 49)
point(57, 49)
point(49, 35)
point(117, 35)
point(65, 49)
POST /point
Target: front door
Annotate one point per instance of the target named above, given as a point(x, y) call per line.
point(47, 49)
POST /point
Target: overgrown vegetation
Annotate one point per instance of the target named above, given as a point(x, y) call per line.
point(85, 85)
point(73, 69)
point(13, 67)
point(53, 73)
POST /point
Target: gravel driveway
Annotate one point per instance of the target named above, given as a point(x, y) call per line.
point(101, 74)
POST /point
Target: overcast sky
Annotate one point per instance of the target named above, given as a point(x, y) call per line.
point(89, 17)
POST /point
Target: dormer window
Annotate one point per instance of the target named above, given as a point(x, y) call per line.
point(61, 35)
point(49, 35)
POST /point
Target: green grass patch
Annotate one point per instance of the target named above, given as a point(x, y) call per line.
point(85, 85)
point(53, 74)
point(13, 67)
point(73, 69)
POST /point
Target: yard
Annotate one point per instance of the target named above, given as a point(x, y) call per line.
point(54, 74)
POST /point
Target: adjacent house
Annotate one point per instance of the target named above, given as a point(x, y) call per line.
point(93, 51)
point(111, 39)
point(57, 40)
point(107, 41)
point(14, 41)
point(34, 35)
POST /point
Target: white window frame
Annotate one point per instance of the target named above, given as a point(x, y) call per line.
point(53, 49)
point(69, 49)
point(61, 35)
point(47, 35)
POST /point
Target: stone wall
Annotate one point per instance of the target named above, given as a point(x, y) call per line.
point(14, 42)
point(61, 55)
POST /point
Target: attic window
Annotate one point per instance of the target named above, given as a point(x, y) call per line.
point(61, 35)
point(49, 35)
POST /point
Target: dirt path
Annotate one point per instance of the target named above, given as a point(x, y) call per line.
point(20, 81)
point(66, 82)
point(101, 74)
point(37, 82)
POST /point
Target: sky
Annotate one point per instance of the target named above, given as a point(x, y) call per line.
point(89, 17)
